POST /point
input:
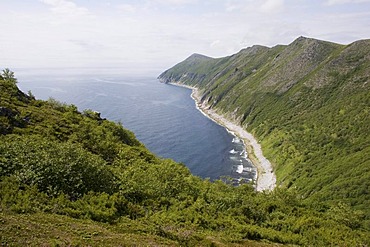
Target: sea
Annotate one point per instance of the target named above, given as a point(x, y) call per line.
point(163, 117)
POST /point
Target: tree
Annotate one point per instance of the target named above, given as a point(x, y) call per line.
point(8, 76)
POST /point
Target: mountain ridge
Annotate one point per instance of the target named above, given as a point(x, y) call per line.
point(307, 102)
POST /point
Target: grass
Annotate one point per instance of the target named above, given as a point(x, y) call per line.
point(57, 230)
point(42, 229)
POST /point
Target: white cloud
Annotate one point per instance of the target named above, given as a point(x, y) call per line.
point(336, 2)
point(176, 2)
point(215, 43)
point(66, 8)
point(159, 33)
point(255, 7)
point(237, 5)
point(230, 8)
point(344, 30)
point(272, 6)
point(127, 8)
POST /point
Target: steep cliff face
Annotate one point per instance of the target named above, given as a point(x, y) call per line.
point(308, 104)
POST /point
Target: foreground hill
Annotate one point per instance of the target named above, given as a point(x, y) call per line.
point(74, 179)
point(307, 102)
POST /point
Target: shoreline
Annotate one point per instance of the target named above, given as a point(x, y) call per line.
point(266, 179)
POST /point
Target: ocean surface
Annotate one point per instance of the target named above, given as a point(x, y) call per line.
point(163, 117)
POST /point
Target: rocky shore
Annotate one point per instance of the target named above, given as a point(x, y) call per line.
point(266, 179)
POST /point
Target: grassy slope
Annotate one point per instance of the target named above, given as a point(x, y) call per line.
point(308, 103)
point(58, 230)
point(71, 178)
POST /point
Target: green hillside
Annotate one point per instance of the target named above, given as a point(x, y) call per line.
point(307, 102)
point(74, 179)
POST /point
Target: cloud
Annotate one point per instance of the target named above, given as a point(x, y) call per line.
point(159, 33)
point(215, 43)
point(230, 7)
point(176, 2)
point(66, 8)
point(272, 6)
point(255, 7)
point(336, 2)
point(347, 28)
point(127, 8)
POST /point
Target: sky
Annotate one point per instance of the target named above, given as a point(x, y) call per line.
point(142, 36)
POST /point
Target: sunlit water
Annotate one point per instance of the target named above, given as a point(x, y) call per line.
point(163, 117)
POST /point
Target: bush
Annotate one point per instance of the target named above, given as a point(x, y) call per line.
point(54, 167)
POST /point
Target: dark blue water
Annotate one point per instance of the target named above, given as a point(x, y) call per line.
point(163, 117)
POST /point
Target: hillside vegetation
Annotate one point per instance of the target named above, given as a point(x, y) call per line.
point(74, 179)
point(308, 103)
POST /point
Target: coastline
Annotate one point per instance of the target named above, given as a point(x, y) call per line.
point(266, 179)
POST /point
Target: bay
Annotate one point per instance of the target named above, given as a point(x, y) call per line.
point(163, 117)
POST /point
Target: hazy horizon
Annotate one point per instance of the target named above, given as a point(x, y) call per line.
point(150, 36)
